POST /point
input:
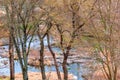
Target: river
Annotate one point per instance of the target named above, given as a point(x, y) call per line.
point(76, 69)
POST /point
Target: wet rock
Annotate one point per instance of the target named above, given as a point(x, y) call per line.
point(34, 56)
point(4, 41)
point(59, 57)
point(15, 57)
point(5, 55)
point(77, 61)
point(69, 61)
point(33, 62)
point(48, 62)
point(30, 62)
point(74, 56)
point(5, 62)
point(36, 62)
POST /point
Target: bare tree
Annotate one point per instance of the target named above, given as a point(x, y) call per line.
point(54, 57)
point(42, 32)
point(10, 22)
point(67, 35)
point(104, 27)
point(22, 29)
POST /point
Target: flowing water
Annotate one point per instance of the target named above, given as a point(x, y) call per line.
point(76, 69)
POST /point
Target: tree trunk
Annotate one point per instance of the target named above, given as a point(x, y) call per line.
point(65, 61)
point(57, 68)
point(64, 65)
point(115, 73)
point(25, 74)
point(41, 55)
point(25, 58)
point(53, 55)
point(11, 58)
point(42, 60)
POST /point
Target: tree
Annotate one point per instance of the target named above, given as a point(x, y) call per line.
point(54, 57)
point(42, 31)
point(22, 29)
point(10, 21)
point(44, 24)
point(76, 15)
point(67, 35)
point(104, 28)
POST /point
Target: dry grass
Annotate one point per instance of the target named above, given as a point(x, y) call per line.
point(37, 76)
point(98, 75)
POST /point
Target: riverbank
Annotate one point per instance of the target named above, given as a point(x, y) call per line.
point(75, 60)
point(37, 76)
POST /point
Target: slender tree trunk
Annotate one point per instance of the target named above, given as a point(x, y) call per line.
point(19, 55)
point(65, 70)
point(64, 65)
point(25, 74)
point(41, 55)
point(23, 64)
point(11, 44)
point(57, 68)
point(42, 60)
point(115, 73)
point(53, 55)
point(11, 58)
point(25, 58)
